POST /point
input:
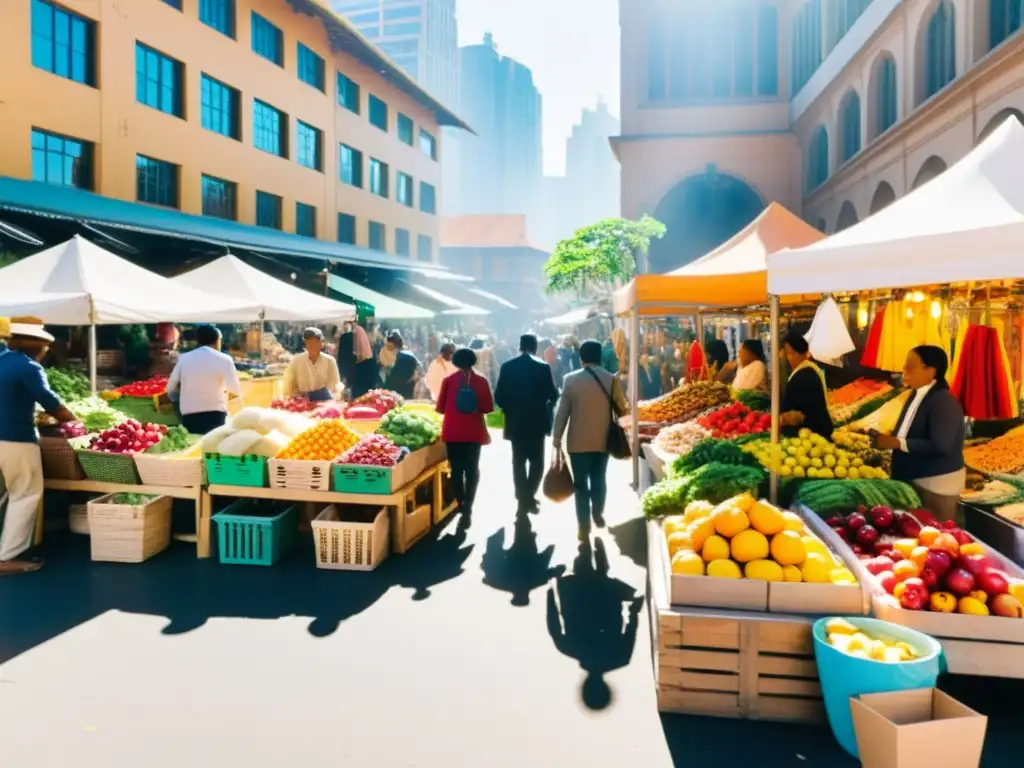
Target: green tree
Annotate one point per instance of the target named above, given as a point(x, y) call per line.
point(599, 255)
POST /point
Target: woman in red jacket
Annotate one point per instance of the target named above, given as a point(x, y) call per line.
point(465, 398)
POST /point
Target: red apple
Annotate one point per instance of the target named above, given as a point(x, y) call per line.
point(867, 534)
point(908, 526)
point(947, 542)
point(993, 582)
point(962, 536)
point(895, 555)
point(926, 517)
point(975, 564)
point(1007, 606)
point(878, 565)
point(882, 518)
point(939, 561)
point(959, 581)
point(915, 595)
point(888, 581)
point(857, 549)
point(834, 522)
point(882, 548)
point(855, 521)
point(842, 534)
point(929, 577)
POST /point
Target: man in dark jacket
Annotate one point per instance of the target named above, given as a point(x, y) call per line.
point(526, 394)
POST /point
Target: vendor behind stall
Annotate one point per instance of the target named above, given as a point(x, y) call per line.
point(312, 373)
point(751, 373)
point(200, 380)
point(405, 369)
point(805, 403)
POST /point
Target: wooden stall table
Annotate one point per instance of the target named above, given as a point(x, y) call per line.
point(196, 494)
point(406, 529)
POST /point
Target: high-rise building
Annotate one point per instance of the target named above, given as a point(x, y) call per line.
point(591, 170)
point(500, 167)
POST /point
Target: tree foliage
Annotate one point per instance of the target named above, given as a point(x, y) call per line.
point(598, 255)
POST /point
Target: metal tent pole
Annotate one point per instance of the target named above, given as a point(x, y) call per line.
point(776, 372)
point(92, 345)
point(634, 392)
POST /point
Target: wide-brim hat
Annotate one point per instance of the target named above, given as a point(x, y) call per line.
point(30, 328)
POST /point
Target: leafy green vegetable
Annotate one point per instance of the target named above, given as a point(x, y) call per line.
point(712, 449)
point(68, 384)
point(712, 482)
point(95, 413)
point(132, 499)
point(754, 400)
point(177, 439)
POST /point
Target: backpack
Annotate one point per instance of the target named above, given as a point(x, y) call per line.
point(466, 399)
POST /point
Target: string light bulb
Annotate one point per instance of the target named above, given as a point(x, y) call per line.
point(910, 313)
point(862, 319)
point(936, 309)
point(917, 297)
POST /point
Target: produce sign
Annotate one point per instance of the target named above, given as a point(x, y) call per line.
point(379, 400)
point(679, 439)
point(713, 483)
point(853, 641)
point(935, 567)
point(147, 389)
point(128, 438)
point(1004, 455)
point(69, 385)
point(294, 404)
point(410, 429)
point(736, 419)
point(373, 451)
point(811, 455)
point(95, 414)
point(827, 496)
point(684, 403)
point(323, 442)
point(744, 538)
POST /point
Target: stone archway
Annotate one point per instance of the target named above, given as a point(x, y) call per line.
point(997, 119)
point(847, 216)
point(884, 196)
point(700, 213)
point(932, 167)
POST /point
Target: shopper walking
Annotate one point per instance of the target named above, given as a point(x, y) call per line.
point(22, 384)
point(585, 409)
point(465, 398)
point(200, 382)
point(526, 394)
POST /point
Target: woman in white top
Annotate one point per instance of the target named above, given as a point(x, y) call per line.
point(752, 372)
point(440, 369)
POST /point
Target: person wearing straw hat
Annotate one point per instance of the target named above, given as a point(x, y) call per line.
point(22, 384)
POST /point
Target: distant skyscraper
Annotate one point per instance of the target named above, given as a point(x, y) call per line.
point(591, 170)
point(501, 167)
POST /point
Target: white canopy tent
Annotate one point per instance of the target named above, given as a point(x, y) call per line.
point(384, 307)
point(279, 301)
point(571, 318)
point(83, 284)
point(966, 224)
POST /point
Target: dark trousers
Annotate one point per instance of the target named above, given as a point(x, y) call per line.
point(527, 467)
point(589, 479)
point(464, 459)
point(202, 423)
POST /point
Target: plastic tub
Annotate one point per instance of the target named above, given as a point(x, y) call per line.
point(843, 676)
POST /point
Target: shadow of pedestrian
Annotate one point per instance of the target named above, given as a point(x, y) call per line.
point(631, 539)
point(429, 566)
point(521, 568)
point(593, 618)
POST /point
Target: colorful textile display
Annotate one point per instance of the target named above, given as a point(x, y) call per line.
point(903, 326)
point(870, 357)
point(696, 363)
point(981, 377)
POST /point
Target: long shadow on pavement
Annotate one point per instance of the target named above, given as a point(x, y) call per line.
point(521, 568)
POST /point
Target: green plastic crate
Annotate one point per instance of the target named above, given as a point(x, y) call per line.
point(250, 540)
point(108, 467)
point(355, 478)
point(246, 471)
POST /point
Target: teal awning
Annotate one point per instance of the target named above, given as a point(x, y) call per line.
point(384, 307)
point(68, 203)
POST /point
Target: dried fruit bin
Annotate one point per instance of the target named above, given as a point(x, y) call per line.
point(246, 471)
point(244, 537)
point(348, 545)
point(108, 467)
point(299, 475)
point(59, 459)
point(129, 533)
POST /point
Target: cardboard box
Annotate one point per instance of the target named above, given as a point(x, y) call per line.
point(920, 728)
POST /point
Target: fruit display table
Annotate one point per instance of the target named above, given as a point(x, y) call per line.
point(655, 460)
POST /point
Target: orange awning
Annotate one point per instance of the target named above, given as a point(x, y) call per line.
point(733, 276)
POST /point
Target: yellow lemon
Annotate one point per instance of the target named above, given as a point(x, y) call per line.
point(686, 563)
point(729, 522)
point(787, 548)
point(697, 510)
point(699, 533)
point(793, 522)
point(811, 544)
point(673, 524)
point(724, 569)
point(840, 626)
point(749, 545)
point(677, 542)
point(766, 519)
point(792, 573)
point(715, 548)
point(743, 501)
point(763, 570)
point(842, 576)
point(816, 569)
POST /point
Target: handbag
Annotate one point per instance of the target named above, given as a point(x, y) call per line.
point(617, 443)
point(558, 484)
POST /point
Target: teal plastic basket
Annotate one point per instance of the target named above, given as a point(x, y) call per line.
point(843, 676)
point(246, 471)
point(250, 540)
point(356, 478)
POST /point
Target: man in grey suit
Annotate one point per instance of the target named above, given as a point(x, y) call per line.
point(591, 397)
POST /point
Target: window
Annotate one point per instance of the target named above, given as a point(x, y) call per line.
point(348, 93)
point(807, 38)
point(366, 17)
point(305, 220)
point(61, 160)
point(767, 51)
point(268, 210)
point(377, 236)
point(350, 165)
point(885, 88)
point(309, 143)
point(428, 198)
point(428, 144)
point(849, 127)
point(158, 81)
point(404, 189)
point(1004, 19)
point(817, 160)
point(220, 107)
point(267, 40)
point(940, 49)
point(311, 68)
point(411, 28)
point(402, 242)
point(219, 14)
point(63, 43)
point(378, 113)
point(408, 12)
point(269, 129)
point(156, 182)
point(346, 228)
point(220, 198)
point(405, 130)
point(424, 248)
point(379, 173)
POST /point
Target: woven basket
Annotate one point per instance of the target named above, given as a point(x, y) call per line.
point(108, 467)
point(172, 470)
point(59, 459)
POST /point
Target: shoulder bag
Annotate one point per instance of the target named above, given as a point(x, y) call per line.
point(617, 443)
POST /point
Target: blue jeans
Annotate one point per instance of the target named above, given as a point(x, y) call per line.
point(589, 471)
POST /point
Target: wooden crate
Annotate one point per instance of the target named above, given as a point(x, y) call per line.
point(126, 533)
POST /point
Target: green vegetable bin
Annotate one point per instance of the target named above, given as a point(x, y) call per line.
point(245, 539)
point(108, 467)
point(246, 471)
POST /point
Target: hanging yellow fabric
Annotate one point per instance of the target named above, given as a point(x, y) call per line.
point(905, 326)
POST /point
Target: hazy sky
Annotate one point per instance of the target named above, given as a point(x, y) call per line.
point(572, 46)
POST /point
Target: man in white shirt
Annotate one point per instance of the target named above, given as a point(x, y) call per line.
point(312, 373)
point(200, 382)
point(440, 369)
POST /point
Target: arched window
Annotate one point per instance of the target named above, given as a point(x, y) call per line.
point(807, 39)
point(817, 160)
point(884, 196)
point(1004, 19)
point(847, 216)
point(849, 127)
point(885, 95)
point(940, 49)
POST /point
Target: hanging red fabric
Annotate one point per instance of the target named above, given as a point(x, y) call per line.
point(870, 357)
